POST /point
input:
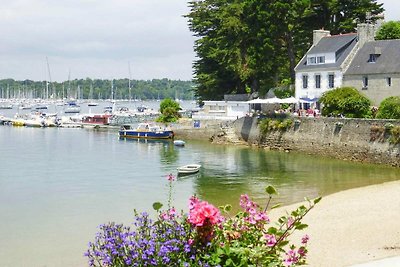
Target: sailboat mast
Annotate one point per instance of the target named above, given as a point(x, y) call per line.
point(129, 81)
point(47, 88)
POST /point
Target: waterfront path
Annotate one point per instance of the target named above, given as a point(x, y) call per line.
point(355, 226)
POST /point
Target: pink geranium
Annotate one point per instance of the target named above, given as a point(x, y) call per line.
point(201, 213)
point(271, 240)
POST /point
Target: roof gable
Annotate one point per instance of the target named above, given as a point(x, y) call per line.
point(340, 45)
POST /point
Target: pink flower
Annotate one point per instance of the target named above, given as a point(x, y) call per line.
point(302, 252)
point(292, 258)
point(202, 213)
point(170, 177)
point(305, 239)
point(290, 222)
point(271, 240)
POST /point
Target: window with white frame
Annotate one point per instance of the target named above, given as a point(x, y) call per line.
point(331, 80)
point(305, 81)
point(311, 60)
point(317, 81)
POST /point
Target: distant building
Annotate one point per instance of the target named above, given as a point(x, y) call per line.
point(354, 60)
point(222, 110)
point(375, 69)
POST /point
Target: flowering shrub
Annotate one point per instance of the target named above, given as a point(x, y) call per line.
point(203, 237)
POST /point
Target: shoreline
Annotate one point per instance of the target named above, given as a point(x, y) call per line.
point(353, 226)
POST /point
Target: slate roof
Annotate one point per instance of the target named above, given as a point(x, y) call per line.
point(387, 62)
point(341, 45)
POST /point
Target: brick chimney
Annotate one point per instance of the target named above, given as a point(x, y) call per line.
point(319, 34)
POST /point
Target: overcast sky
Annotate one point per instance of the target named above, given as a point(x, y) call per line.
point(101, 39)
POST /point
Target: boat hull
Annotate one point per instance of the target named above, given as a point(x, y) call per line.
point(146, 135)
point(188, 169)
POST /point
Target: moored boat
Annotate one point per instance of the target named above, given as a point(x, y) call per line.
point(179, 143)
point(188, 169)
point(147, 131)
point(96, 119)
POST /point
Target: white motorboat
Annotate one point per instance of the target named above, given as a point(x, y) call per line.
point(190, 168)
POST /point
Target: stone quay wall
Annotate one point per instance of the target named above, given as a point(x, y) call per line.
point(363, 140)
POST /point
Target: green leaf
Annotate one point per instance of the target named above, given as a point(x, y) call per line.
point(275, 206)
point(271, 190)
point(301, 226)
point(227, 208)
point(317, 200)
point(157, 206)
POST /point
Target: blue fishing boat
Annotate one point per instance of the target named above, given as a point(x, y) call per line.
point(146, 131)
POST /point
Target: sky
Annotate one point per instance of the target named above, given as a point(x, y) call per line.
point(57, 40)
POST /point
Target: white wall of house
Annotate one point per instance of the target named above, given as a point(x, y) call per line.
point(311, 91)
point(224, 110)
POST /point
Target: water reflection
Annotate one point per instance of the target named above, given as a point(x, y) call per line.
point(229, 172)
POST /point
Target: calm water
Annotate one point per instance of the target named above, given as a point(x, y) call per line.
point(57, 185)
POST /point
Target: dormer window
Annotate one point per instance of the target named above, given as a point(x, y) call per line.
point(315, 60)
point(372, 58)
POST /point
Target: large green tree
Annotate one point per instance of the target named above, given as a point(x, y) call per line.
point(389, 30)
point(248, 46)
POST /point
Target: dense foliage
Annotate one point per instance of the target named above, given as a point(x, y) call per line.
point(389, 30)
point(345, 101)
point(247, 46)
point(97, 89)
point(169, 110)
point(389, 108)
point(203, 237)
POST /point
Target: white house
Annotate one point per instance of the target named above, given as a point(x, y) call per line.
point(222, 110)
point(322, 67)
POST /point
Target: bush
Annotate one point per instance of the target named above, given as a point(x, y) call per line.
point(203, 237)
point(389, 108)
point(169, 110)
point(345, 101)
point(267, 125)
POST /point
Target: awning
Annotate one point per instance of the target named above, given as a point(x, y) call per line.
point(274, 100)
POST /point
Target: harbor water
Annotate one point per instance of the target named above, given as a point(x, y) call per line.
point(58, 184)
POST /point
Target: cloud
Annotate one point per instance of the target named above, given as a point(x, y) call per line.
point(102, 34)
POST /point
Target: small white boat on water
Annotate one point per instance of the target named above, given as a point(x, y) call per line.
point(179, 143)
point(188, 169)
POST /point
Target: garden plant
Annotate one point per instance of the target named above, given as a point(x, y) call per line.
point(205, 236)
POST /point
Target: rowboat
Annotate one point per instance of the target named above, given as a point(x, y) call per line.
point(146, 131)
point(190, 168)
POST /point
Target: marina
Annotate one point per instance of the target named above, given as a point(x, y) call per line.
point(59, 184)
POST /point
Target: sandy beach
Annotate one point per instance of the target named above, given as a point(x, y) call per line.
point(353, 226)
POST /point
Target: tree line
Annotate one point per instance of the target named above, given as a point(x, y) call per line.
point(98, 89)
point(246, 46)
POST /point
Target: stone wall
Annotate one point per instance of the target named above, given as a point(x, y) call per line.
point(378, 88)
point(347, 139)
